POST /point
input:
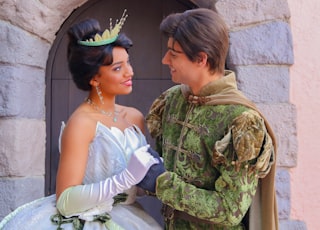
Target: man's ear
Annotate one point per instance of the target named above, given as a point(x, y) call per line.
point(202, 58)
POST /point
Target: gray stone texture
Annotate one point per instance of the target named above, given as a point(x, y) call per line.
point(265, 44)
point(283, 193)
point(16, 191)
point(41, 18)
point(239, 13)
point(20, 47)
point(292, 225)
point(264, 84)
point(22, 92)
point(22, 147)
point(282, 118)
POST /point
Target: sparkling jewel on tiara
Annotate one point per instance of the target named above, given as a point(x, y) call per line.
point(109, 35)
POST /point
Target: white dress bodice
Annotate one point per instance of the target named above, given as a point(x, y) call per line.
point(110, 151)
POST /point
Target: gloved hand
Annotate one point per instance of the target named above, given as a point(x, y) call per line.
point(149, 181)
point(140, 162)
point(77, 199)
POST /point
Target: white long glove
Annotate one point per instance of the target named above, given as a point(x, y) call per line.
point(77, 199)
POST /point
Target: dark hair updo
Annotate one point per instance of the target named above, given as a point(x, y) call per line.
point(84, 61)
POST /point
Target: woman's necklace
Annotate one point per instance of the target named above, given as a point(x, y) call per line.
point(108, 114)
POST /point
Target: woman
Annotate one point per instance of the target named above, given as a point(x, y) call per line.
point(103, 148)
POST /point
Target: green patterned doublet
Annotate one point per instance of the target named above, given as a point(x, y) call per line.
point(214, 156)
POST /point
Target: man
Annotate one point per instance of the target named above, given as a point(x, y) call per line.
point(218, 149)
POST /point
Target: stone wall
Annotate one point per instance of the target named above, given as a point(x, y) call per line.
point(27, 30)
point(260, 53)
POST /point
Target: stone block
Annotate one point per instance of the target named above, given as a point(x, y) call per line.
point(264, 84)
point(22, 147)
point(32, 16)
point(269, 43)
point(43, 18)
point(292, 225)
point(282, 118)
point(22, 92)
point(18, 191)
point(246, 12)
point(20, 47)
point(283, 193)
point(64, 8)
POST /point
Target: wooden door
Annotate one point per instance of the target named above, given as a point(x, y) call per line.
point(150, 79)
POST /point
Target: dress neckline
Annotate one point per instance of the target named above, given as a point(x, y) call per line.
point(131, 127)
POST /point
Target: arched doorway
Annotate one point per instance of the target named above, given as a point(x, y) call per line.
point(150, 79)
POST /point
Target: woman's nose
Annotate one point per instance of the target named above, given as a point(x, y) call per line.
point(129, 70)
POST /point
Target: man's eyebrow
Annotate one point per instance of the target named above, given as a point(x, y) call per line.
point(177, 51)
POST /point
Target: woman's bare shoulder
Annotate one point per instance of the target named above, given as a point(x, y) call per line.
point(133, 116)
point(81, 121)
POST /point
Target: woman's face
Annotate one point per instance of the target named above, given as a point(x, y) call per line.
point(116, 79)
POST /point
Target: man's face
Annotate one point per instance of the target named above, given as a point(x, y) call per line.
point(181, 68)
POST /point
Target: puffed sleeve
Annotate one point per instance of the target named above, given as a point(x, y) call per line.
point(154, 117)
point(251, 142)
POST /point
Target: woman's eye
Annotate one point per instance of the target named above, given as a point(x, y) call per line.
point(117, 68)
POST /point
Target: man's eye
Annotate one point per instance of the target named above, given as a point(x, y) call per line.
point(173, 54)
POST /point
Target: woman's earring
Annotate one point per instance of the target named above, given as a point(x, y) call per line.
point(99, 94)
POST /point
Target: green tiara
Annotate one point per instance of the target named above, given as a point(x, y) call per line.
point(109, 35)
